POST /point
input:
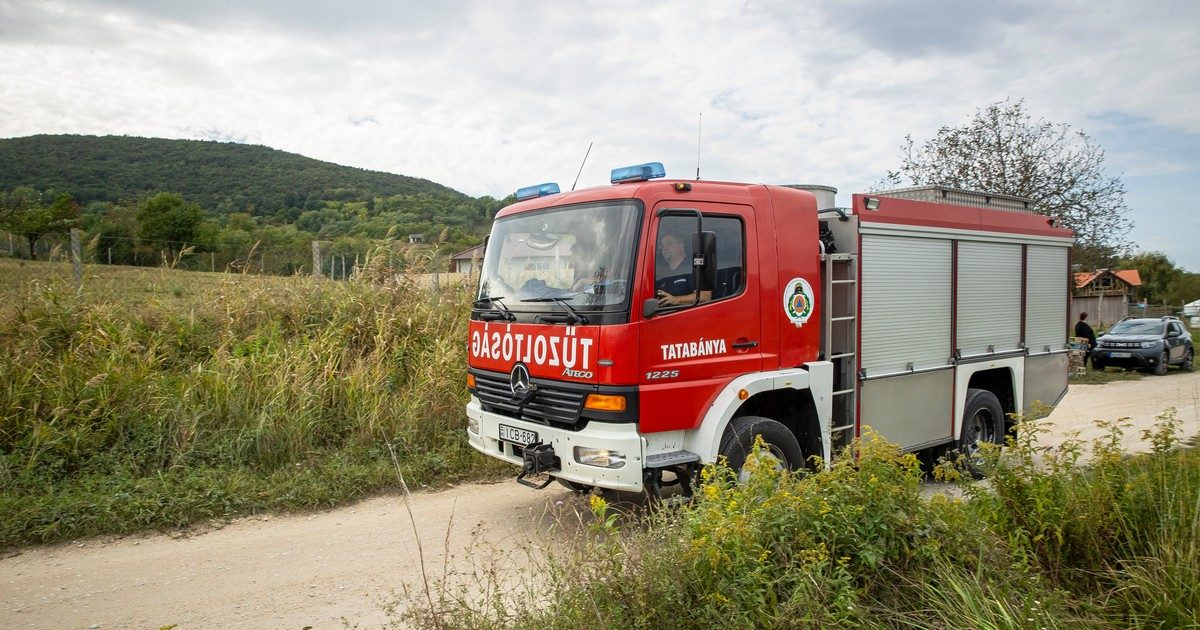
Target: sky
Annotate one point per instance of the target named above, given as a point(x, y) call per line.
point(493, 95)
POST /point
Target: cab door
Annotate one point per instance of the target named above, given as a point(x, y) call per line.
point(689, 353)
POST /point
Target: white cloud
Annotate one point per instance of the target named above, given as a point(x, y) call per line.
point(487, 96)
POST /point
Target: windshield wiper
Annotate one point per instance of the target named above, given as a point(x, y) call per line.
point(487, 301)
point(573, 316)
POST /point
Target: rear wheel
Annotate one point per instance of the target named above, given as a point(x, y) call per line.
point(1163, 361)
point(983, 422)
point(1188, 360)
point(782, 451)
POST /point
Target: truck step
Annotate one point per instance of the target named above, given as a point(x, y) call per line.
point(841, 428)
point(674, 458)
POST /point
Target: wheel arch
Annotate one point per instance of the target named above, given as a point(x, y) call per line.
point(1004, 381)
point(799, 398)
point(794, 409)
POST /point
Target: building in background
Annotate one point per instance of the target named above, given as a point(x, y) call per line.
point(1105, 295)
point(467, 261)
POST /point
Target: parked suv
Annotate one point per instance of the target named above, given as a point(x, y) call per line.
point(1145, 343)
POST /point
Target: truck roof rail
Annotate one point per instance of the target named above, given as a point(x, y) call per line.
point(961, 197)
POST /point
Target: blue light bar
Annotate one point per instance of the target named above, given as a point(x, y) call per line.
point(540, 190)
point(638, 173)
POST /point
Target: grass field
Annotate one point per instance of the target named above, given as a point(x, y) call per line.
point(160, 398)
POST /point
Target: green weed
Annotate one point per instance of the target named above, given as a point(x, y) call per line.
point(1053, 539)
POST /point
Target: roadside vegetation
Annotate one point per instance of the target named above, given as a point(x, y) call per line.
point(161, 398)
point(1046, 543)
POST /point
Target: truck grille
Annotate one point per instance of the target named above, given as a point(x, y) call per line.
point(553, 404)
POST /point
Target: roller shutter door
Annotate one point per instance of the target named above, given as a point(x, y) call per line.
point(1046, 299)
point(905, 303)
point(989, 297)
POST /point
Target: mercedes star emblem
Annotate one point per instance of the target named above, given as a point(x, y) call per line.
point(518, 380)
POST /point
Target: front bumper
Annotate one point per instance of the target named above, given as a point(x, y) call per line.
point(1142, 358)
point(621, 437)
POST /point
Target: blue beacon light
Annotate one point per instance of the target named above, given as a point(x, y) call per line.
point(539, 190)
point(638, 172)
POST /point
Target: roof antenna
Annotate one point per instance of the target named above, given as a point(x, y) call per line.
point(585, 157)
point(699, 126)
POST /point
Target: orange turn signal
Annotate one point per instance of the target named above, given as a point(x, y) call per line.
point(604, 402)
point(743, 394)
point(471, 381)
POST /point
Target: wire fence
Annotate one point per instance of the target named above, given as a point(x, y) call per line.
point(74, 257)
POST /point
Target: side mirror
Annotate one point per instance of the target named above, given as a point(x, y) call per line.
point(649, 308)
point(1174, 333)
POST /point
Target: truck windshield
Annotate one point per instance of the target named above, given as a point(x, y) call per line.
point(580, 254)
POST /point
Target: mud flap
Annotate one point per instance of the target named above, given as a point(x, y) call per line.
point(539, 459)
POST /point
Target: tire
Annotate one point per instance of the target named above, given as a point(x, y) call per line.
point(1188, 361)
point(739, 441)
point(1163, 361)
point(1098, 366)
point(982, 423)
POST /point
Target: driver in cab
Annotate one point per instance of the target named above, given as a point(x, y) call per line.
point(674, 282)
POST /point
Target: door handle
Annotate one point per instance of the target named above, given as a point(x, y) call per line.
point(744, 344)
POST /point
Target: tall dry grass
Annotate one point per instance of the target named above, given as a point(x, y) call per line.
point(183, 396)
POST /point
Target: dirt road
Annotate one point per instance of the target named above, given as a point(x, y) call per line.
point(315, 570)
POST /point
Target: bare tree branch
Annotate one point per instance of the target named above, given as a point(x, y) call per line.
point(1003, 150)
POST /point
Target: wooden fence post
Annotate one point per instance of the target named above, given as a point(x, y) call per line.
point(76, 258)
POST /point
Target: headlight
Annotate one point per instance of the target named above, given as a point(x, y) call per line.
point(1149, 344)
point(473, 424)
point(600, 457)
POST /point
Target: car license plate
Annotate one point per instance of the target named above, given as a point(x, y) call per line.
point(1120, 355)
point(517, 436)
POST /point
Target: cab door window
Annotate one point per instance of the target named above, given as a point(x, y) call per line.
point(674, 277)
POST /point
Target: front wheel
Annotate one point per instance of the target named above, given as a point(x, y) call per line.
point(782, 449)
point(1163, 361)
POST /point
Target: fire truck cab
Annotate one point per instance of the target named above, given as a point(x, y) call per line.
point(657, 325)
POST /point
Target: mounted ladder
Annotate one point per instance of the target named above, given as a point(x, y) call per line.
point(839, 341)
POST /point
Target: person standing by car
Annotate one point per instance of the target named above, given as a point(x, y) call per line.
point(1083, 329)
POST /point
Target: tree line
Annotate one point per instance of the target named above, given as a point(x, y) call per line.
point(146, 230)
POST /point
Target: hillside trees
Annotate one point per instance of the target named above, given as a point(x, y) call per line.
point(1002, 149)
point(26, 214)
point(166, 219)
point(221, 177)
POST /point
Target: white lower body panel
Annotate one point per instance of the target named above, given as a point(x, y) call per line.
point(615, 437)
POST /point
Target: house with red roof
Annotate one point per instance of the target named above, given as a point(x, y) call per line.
point(1105, 295)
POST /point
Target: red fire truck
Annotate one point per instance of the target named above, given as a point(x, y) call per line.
point(656, 325)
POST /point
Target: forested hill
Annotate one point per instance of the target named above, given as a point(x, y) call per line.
point(222, 177)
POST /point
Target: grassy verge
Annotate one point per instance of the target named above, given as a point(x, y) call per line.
point(1047, 544)
point(1107, 375)
point(162, 398)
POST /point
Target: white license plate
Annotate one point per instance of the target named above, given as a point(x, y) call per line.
point(1120, 355)
point(517, 436)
